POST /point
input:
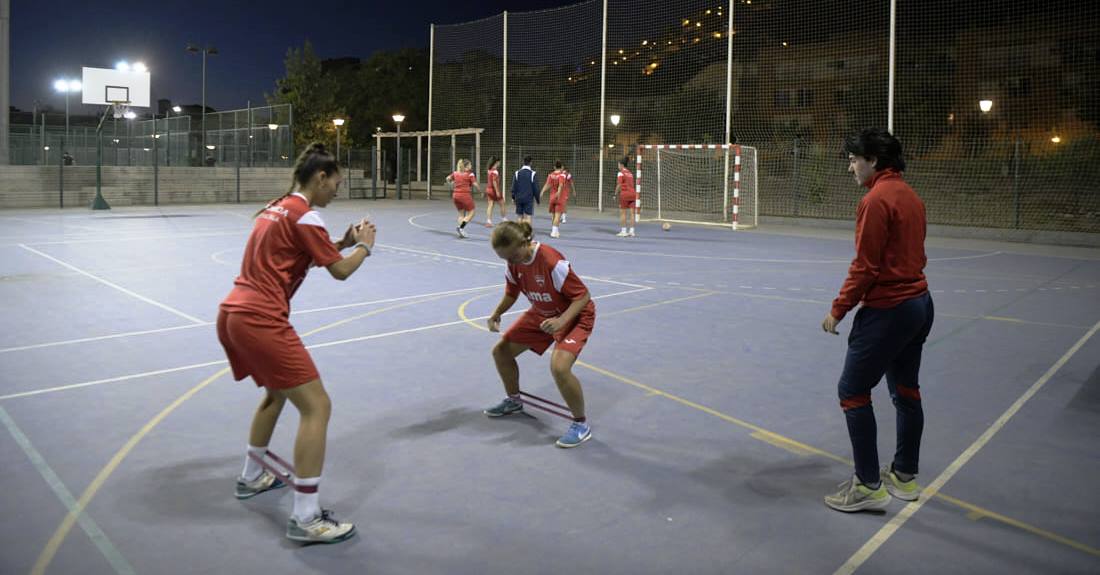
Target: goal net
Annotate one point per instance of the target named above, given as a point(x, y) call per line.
point(698, 183)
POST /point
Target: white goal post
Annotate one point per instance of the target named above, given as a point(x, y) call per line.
point(713, 184)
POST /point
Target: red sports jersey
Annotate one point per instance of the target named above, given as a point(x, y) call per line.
point(548, 281)
point(463, 181)
point(492, 185)
point(626, 182)
point(566, 185)
point(287, 237)
point(554, 180)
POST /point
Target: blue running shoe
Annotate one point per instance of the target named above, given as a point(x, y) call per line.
point(577, 434)
point(506, 407)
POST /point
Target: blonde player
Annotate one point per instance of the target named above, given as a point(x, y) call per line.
point(561, 313)
point(465, 181)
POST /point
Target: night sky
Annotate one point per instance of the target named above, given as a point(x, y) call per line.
point(55, 39)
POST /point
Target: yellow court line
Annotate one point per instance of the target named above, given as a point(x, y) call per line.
point(50, 550)
point(641, 307)
point(799, 448)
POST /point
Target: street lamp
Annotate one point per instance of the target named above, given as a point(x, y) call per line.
point(615, 119)
point(985, 106)
point(271, 142)
point(204, 51)
point(338, 122)
point(397, 119)
point(177, 109)
point(66, 87)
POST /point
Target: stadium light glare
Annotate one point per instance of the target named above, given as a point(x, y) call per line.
point(177, 109)
point(122, 66)
point(139, 67)
point(338, 121)
point(273, 127)
point(615, 119)
point(985, 105)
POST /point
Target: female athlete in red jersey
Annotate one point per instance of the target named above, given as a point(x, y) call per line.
point(288, 237)
point(492, 192)
point(465, 181)
point(561, 313)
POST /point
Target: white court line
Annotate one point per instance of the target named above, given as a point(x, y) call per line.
point(103, 337)
point(416, 225)
point(449, 323)
point(52, 224)
point(884, 534)
point(131, 238)
point(208, 323)
point(496, 264)
point(314, 346)
point(393, 299)
point(116, 286)
point(214, 256)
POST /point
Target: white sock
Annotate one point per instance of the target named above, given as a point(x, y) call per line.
point(252, 468)
point(554, 229)
point(631, 231)
point(623, 231)
point(306, 505)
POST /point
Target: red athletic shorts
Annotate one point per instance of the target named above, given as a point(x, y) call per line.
point(464, 202)
point(557, 203)
point(492, 196)
point(268, 350)
point(627, 200)
point(571, 338)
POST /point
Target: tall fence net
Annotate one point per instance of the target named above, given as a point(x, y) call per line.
point(994, 101)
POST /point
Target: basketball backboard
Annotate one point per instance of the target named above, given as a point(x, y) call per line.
point(104, 86)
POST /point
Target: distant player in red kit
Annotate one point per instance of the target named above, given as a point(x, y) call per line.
point(465, 181)
point(492, 192)
point(556, 183)
point(628, 198)
point(566, 191)
point(253, 326)
point(561, 313)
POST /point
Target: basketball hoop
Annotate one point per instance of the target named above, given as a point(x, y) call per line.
point(120, 108)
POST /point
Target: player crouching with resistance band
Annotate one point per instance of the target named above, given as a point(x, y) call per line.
point(561, 313)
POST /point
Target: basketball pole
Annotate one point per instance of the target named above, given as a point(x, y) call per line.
point(99, 203)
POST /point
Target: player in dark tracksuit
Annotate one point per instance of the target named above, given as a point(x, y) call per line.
point(891, 326)
point(525, 191)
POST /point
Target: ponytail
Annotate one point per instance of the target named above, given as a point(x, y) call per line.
point(314, 159)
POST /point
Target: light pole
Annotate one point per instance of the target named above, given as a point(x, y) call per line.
point(397, 119)
point(67, 87)
point(207, 50)
point(337, 122)
point(271, 142)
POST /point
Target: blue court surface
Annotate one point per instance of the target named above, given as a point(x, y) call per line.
point(709, 383)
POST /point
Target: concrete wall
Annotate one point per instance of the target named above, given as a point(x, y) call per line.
point(40, 186)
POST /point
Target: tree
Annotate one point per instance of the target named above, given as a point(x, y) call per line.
point(366, 94)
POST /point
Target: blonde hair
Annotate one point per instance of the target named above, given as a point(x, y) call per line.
point(511, 234)
point(462, 162)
